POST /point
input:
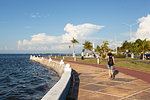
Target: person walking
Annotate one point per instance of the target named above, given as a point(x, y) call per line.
point(111, 63)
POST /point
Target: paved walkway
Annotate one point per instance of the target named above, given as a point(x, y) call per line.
point(95, 85)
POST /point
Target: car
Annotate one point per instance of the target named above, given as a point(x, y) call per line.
point(141, 56)
point(147, 56)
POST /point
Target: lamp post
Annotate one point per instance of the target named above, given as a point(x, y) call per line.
point(130, 25)
point(116, 44)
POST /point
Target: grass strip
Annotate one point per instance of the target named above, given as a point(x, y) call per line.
point(123, 64)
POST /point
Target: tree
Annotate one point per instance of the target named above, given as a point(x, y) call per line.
point(88, 46)
point(144, 46)
point(69, 49)
point(119, 49)
point(126, 45)
point(99, 49)
point(74, 41)
point(83, 50)
point(134, 48)
point(148, 45)
point(104, 46)
point(139, 43)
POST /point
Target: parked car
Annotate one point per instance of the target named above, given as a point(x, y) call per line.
point(147, 56)
point(141, 56)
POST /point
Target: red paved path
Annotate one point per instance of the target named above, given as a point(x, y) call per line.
point(141, 75)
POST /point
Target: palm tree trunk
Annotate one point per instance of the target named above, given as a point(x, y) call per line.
point(73, 51)
point(86, 52)
point(143, 55)
point(104, 52)
point(69, 52)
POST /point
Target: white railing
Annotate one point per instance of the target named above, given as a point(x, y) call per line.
point(60, 90)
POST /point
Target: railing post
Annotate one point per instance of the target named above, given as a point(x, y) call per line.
point(49, 60)
point(97, 60)
point(75, 59)
point(61, 62)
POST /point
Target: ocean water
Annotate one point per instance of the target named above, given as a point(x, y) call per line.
point(22, 79)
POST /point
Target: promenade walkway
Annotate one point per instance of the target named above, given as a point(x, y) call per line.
point(95, 85)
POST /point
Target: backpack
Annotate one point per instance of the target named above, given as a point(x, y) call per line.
point(110, 61)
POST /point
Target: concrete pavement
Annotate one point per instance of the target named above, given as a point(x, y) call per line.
point(95, 85)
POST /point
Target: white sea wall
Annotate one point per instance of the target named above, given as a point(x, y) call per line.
point(60, 90)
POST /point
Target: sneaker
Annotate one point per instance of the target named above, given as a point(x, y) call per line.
point(113, 77)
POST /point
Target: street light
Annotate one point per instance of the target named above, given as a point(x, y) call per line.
point(130, 25)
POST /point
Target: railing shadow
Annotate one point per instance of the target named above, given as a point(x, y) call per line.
point(74, 87)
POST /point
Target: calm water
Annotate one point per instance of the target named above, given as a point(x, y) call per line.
point(22, 79)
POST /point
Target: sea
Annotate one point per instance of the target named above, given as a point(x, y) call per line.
point(23, 79)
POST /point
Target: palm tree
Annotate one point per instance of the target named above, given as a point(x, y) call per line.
point(134, 48)
point(74, 41)
point(148, 45)
point(144, 46)
point(104, 46)
point(83, 50)
point(139, 43)
point(126, 45)
point(119, 49)
point(88, 46)
point(97, 48)
point(69, 49)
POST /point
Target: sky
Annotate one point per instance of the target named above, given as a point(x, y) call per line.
point(47, 26)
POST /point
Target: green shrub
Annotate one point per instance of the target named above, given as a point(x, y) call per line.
point(120, 56)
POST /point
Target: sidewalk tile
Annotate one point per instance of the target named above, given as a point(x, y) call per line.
point(109, 83)
point(117, 91)
point(82, 92)
point(93, 87)
point(134, 87)
point(97, 96)
point(141, 96)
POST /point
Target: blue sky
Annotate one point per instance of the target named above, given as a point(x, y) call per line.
point(25, 19)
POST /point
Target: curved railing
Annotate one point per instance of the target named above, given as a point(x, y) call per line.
point(60, 90)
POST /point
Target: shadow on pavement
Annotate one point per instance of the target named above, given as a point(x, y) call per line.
point(115, 73)
point(74, 87)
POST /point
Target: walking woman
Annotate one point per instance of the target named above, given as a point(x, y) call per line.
point(111, 63)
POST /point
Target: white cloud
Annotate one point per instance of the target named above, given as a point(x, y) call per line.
point(115, 44)
point(19, 44)
point(42, 41)
point(40, 15)
point(79, 31)
point(35, 15)
point(143, 32)
point(41, 38)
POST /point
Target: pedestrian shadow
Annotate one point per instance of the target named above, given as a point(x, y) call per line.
point(74, 87)
point(115, 73)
